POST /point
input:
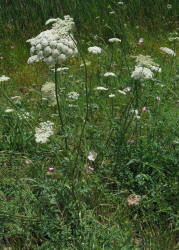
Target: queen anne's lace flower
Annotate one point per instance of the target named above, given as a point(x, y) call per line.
point(48, 92)
point(113, 40)
point(109, 74)
point(141, 73)
point(148, 62)
point(94, 50)
point(101, 88)
point(43, 132)
point(4, 78)
point(73, 95)
point(54, 46)
point(168, 51)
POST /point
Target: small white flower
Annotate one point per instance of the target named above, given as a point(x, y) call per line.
point(169, 6)
point(158, 98)
point(92, 156)
point(101, 88)
point(9, 110)
point(61, 69)
point(109, 74)
point(168, 51)
point(4, 78)
point(112, 40)
point(122, 92)
point(111, 95)
point(94, 50)
point(73, 95)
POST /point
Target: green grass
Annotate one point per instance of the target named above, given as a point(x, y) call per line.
point(71, 208)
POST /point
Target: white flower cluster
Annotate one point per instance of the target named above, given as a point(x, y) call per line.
point(147, 61)
point(109, 74)
point(113, 40)
point(44, 131)
point(4, 78)
point(173, 36)
point(141, 73)
point(168, 51)
point(48, 92)
point(73, 95)
point(54, 46)
point(94, 50)
point(101, 88)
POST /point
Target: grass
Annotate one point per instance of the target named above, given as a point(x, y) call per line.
point(71, 207)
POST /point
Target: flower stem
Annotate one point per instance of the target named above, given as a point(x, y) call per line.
point(58, 104)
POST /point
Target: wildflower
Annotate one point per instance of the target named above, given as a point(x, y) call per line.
point(12, 47)
point(4, 78)
point(122, 92)
point(147, 61)
point(89, 169)
point(55, 45)
point(43, 132)
point(48, 92)
point(140, 41)
point(131, 141)
point(73, 95)
point(111, 95)
point(9, 110)
point(101, 88)
point(94, 50)
point(133, 199)
point(168, 51)
point(1, 57)
point(61, 69)
point(51, 169)
point(109, 74)
point(114, 40)
point(136, 112)
point(158, 98)
point(25, 115)
point(144, 109)
point(141, 73)
point(92, 156)
point(127, 89)
point(169, 6)
point(27, 162)
point(112, 12)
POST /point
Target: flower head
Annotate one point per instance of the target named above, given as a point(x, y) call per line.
point(94, 50)
point(114, 40)
point(4, 78)
point(140, 41)
point(55, 45)
point(142, 73)
point(44, 131)
point(48, 92)
point(101, 88)
point(109, 74)
point(92, 156)
point(73, 95)
point(144, 109)
point(168, 51)
point(133, 199)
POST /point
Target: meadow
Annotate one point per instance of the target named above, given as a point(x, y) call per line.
point(89, 139)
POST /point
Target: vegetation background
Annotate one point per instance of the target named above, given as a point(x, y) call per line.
point(70, 208)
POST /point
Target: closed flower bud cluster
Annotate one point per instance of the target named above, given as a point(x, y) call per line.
point(54, 46)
